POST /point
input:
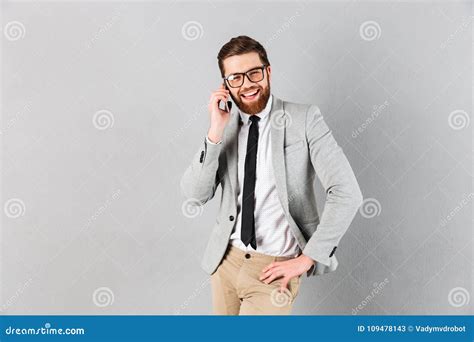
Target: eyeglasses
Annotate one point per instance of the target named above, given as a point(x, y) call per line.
point(254, 75)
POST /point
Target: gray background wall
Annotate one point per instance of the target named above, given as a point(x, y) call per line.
point(104, 105)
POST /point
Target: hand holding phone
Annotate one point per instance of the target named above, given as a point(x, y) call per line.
point(225, 105)
point(219, 111)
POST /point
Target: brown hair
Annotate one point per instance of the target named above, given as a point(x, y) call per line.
point(238, 46)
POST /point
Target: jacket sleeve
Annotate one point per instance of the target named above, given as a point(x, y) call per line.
point(200, 180)
point(343, 195)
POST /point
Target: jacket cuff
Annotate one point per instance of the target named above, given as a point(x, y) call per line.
point(210, 152)
point(319, 254)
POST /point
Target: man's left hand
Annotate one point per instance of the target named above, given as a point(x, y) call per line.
point(286, 269)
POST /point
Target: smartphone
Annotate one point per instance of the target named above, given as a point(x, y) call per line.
point(225, 105)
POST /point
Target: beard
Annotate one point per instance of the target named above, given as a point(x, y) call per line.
point(255, 106)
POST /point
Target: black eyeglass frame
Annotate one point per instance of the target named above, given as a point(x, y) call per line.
point(245, 74)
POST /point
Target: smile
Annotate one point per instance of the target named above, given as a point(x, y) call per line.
point(251, 95)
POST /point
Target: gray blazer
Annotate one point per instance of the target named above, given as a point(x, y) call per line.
point(302, 147)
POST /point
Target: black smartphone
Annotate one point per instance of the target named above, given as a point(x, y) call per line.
point(225, 105)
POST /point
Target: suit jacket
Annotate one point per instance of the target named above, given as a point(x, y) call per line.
point(303, 147)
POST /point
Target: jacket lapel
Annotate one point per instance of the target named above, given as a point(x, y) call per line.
point(231, 136)
point(278, 122)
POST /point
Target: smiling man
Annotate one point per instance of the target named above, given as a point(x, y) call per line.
point(265, 154)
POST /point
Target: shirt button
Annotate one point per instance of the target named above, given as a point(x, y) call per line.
point(231, 218)
point(247, 256)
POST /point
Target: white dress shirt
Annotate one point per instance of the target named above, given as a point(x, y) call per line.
point(272, 230)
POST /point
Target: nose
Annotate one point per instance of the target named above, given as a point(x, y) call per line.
point(247, 84)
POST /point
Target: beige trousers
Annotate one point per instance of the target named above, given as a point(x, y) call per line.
point(237, 290)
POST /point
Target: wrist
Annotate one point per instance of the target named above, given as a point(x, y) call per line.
point(215, 134)
point(307, 260)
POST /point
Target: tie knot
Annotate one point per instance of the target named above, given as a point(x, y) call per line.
point(254, 118)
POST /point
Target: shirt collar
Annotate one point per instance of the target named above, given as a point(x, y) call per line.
point(245, 117)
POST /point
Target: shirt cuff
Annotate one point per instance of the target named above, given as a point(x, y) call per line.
point(213, 143)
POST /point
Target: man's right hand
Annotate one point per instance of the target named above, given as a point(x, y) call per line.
point(218, 117)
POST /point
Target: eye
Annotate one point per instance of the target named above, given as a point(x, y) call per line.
point(254, 72)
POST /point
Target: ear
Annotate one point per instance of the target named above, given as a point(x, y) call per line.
point(269, 72)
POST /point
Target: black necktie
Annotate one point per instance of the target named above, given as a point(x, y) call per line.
point(247, 233)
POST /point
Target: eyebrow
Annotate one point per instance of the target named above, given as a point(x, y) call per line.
point(234, 73)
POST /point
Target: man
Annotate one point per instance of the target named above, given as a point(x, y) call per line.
point(265, 154)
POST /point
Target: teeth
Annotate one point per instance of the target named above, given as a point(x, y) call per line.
point(250, 94)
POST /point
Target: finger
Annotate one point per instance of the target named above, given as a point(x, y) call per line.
point(214, 105)
point(223, 95)
point(266, 275)
point(222, 89)
point(215, 98)
point(269, 272)
point(272, 277)
point(271, 265)
point(284, 284)
point(221, 92)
